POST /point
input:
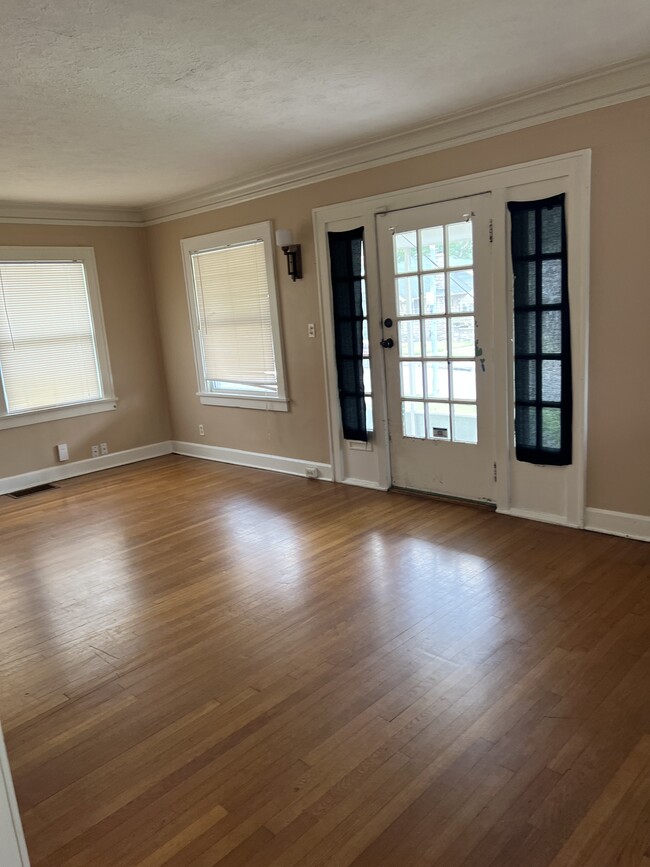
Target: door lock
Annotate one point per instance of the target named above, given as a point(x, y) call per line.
point(387, 342)
point(388, 323)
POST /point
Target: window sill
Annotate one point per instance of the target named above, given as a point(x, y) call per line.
point(277, 404)
point(21, 419)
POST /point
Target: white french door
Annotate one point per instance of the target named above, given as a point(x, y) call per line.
point(437, 338)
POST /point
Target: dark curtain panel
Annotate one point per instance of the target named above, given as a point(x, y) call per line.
point(345, 265)
point(542, 339)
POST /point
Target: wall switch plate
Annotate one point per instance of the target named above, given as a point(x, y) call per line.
point(62, 451)
point(94, 451)
point(201, 430)
point(311, 330)
point(103, 448)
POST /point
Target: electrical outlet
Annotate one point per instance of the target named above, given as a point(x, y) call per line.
point(62, 451)
point(312, 472)
point(201, 430)
point(94, 451)
point(103, 448)
point(311, 330)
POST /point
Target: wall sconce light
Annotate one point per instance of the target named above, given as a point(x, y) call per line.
point(284, 240)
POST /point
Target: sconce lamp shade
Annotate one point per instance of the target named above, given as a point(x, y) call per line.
point(284, 237)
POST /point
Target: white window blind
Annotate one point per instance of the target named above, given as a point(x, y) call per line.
point(48, 354)
point(234, 318)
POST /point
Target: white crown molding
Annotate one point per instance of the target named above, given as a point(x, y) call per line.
point(63, 215)
point(613, 85)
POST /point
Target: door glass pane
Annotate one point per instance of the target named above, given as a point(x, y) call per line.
point(525, 333)
point(367, 384)
point(552, 381)
point(551, 427)
point(461, 291)
point(525, 282)
point(525, 379)
point(433, 248)
point(433, 293)
point(411, 379)
point(465, 423)
point(459, 244)
point(463, 380)
point(369, 415)
point(410, 344)
point(438, 427)
point(408, 296)
point(462, 336)
point(406, 252)
point(413, 419)
point(437, 379)
point(552, 331)
point(551, 281)
point(435, 338)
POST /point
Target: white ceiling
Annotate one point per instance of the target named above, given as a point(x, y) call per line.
point(129, 102)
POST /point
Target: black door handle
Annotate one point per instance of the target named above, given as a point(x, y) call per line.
point(387, 342)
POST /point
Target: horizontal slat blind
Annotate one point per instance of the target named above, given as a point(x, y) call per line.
point(234, 315)
point(47, 346)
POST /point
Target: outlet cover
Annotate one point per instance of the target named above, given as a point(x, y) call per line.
point(103, 448)
point(62, 451)
point(94, 451)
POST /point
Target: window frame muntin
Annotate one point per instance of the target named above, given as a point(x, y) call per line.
point(213, 241)
point(107, 401)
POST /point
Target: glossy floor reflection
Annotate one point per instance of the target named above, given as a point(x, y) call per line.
point(202, 664)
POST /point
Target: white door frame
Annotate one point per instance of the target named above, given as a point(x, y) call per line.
point(574, 172)
point(13, 851)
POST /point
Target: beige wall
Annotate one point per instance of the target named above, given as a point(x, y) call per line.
point(619, 412)
point(133, 345)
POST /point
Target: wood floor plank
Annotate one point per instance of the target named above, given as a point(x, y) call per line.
point(207, 665)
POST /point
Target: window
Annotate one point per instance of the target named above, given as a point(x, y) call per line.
point(347, 273)
point(234, 312)
point(53, 356)
point(542, 340)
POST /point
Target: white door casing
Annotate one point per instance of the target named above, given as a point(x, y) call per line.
point(563, 500)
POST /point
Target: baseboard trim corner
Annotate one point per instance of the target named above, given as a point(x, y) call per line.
point(81, 468)
point(253, 460)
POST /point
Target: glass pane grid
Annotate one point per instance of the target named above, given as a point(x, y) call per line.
point(434, 283)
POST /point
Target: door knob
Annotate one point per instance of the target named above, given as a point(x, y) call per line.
point(387, 342)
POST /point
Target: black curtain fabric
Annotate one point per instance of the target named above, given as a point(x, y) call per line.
point(542, 339)
point(345, 265)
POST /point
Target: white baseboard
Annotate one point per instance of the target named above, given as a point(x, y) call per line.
point(275, 463)
point(618, 523)
point(81, 468)
point(544, 517)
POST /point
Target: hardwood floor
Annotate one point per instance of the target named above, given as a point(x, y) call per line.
point(202, 665)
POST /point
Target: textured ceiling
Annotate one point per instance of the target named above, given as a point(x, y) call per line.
point(127, 102)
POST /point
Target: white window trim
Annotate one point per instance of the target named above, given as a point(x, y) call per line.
point(108, 401)
point(240, 235)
